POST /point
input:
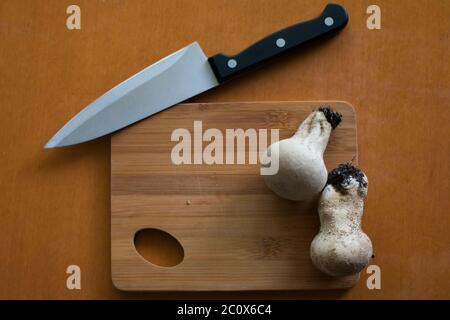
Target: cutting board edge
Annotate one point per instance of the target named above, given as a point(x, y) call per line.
point(120, 284)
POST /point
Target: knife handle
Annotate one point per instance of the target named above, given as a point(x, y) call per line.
point(334, 17)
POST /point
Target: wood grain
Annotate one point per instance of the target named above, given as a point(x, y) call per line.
point(55, 204)
point(236, 234)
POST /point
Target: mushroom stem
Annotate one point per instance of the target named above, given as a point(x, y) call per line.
point(317, 127)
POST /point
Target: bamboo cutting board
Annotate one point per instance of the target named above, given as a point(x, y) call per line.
point(227, 228)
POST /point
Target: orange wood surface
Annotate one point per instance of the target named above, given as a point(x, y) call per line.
point(55, 204)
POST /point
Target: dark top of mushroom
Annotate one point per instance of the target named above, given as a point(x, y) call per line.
point(333, 117)
point(343, 173)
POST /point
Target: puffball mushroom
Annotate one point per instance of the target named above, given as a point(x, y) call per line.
point(341, 247)
point(301, 170)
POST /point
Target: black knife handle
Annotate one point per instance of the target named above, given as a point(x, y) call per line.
point(225, 67)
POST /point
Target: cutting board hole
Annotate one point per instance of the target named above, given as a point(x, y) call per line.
point(158, 247)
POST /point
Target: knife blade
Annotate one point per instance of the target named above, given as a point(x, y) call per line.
point(182, 75)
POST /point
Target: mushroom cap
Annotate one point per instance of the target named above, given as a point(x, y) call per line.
point(301, 174)
point(348, 179)
point(341, 255)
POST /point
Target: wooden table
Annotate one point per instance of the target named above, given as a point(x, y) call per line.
point(54, 204)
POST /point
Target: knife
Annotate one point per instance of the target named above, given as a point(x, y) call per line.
point(182, 75)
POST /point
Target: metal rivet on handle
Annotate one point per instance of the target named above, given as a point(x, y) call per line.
point(329, 21)
point(280, 42)
point(232, 63)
